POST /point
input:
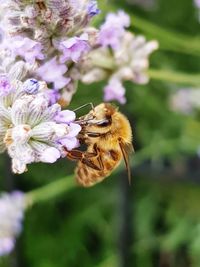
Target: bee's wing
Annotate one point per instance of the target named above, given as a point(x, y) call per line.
point(126, 150)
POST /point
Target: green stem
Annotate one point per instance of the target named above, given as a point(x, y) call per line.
point(157, 150)
point(175, 77)
point(169, 40)
point(162, 75)
point(107, 63)
point(51, 190)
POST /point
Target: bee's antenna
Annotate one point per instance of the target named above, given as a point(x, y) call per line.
point(85, 105)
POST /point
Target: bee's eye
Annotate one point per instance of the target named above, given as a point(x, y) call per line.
point(104, 123)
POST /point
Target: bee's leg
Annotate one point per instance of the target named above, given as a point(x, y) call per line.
point(86, 135)
point(93, 134)
point(84, 157)
point(78, 155)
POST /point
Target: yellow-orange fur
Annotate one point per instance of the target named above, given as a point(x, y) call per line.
point(112, 139)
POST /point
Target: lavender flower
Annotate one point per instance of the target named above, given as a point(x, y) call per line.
point(130, 61)
point(29, 126)
point(28, 49)
point(115, 91)
point(11, 213)
point(31, 86)
point(93, 8)
point(52, 19)
point(197, 3)
point(132, 58)
point(113, 29)
point(73, 48)
point(51, 35)
point(5, 85)
point(53, 95)
point(52, 72)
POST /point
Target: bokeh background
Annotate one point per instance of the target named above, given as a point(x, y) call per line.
point(155, 222)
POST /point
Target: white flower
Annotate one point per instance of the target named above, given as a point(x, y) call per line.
point(132, 59)
point(30, 129)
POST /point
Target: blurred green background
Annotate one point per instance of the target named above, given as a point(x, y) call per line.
point(156, 221)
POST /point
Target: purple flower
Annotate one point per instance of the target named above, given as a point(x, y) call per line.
point(30, 132)
point(31, 86)
point(29, 49)
point(115, 91)
point(93, 8)
point(11, 213)
point(52, 72)
point(70, 141)
point(1, 35)
point(65, 116)
point(111, 32)
point(197, 3)
point(5, 85)
point(73, 48)
point(53, 95)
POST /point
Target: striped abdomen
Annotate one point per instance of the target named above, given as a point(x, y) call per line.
point(106, 161)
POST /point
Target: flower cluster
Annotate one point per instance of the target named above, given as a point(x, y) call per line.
point(118, 56)
point(51, 34)
point(31, 128)
point(11, 213)
point(55, 37)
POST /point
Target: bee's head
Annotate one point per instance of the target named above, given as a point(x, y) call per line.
point(102, 115)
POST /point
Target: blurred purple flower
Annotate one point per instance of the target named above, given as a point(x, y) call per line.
point(52, 72)
point(73, 48)
point(11, 213)
point(185, 100)
point(113, 29)
point(197, 3)
point(115, 91)
point(28, 49)
point(53, 95)
point(93, 8)
point(5, 85)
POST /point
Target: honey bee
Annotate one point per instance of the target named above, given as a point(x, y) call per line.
point(107, 135)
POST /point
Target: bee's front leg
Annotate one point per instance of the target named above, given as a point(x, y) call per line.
point(84, 137)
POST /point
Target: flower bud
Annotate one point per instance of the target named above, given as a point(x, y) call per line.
point(31, 86)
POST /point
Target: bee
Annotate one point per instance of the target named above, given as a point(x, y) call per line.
point(107, 135)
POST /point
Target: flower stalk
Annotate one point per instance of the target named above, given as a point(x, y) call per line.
point(175, 77)
point(50, 190)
